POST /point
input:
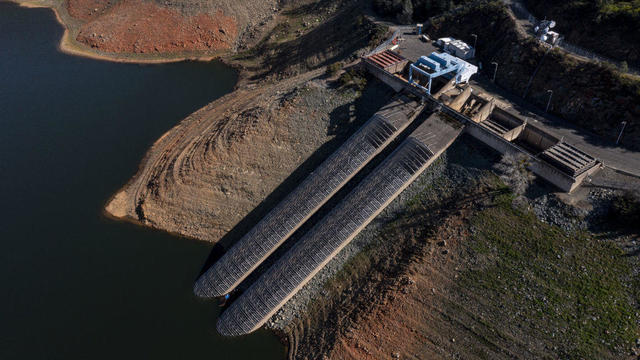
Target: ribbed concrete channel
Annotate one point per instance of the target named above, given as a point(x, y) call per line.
point(264, 238)
point(317, 247)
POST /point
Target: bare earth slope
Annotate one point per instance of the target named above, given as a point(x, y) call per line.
point(216, 166)
point(148, 30)
point(208, 172)
point(137, 26)
point(463, 272)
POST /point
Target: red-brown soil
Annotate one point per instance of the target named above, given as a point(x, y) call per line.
point(87, 9)
point(138, 26)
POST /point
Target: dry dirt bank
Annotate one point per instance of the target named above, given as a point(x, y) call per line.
point(207, 173)
point(137, 26)
point(156, 31)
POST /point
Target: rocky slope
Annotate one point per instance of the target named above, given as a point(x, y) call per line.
point(206, 174)
point(463, 271)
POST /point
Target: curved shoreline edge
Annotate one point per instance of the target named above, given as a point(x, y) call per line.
point(69, 46)
point(115, 207)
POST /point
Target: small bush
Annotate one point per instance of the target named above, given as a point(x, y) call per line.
point(353, 78)
point(333, 69)
point(625, 211)
point(624, 67)
point(513, 171)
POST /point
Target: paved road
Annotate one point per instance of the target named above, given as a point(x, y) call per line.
point(606, 151)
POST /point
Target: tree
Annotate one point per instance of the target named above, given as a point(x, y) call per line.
point(513, 171)
point(405, 14)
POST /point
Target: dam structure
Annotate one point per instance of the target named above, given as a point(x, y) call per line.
point(325, 240)
point(286, 217)
point(548, 156)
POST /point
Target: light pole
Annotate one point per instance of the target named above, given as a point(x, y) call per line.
point(624, 123)
point(550, 92)
point(475, 41)
point(495, 71)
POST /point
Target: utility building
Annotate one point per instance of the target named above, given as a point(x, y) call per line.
point(440, 64)
point(460, 49)
point(457, 48)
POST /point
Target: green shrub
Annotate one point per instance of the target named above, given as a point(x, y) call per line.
point(624, 67)
point(625, 211)
point(333, 69)
point(407, 11)
point(354, 78)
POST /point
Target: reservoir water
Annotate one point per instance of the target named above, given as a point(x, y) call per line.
point(74, 284)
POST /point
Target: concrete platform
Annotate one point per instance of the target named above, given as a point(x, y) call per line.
point(412, 47)
point(569, 158)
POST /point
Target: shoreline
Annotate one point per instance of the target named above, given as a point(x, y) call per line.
point(68, 46)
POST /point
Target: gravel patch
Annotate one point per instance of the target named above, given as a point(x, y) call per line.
point(551, 210)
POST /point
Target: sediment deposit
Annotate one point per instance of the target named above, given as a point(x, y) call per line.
point(136, 26)
point(156, 31)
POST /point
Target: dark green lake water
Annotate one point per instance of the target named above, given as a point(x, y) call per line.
point(73, 284)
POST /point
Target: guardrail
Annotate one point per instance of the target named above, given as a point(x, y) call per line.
point(382, 47)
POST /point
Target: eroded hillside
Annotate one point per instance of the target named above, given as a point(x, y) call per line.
point(464, 271)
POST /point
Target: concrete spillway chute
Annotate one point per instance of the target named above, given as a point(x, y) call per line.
point(448, 86)
point(484, 111)
point(459, 101)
